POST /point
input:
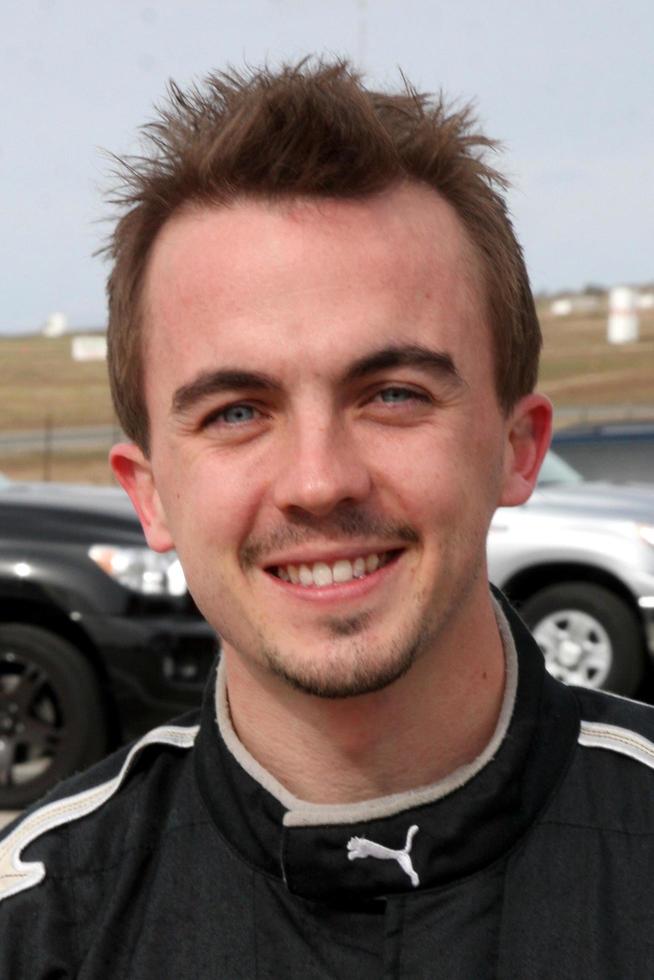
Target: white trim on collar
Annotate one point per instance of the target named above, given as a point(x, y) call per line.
point(17, 875)
point(302, 814)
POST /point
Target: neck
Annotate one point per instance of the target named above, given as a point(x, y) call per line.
point(437, 717)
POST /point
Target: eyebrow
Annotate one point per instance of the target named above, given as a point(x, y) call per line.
point(209, 383)
point(215, 382)
point(436, 362)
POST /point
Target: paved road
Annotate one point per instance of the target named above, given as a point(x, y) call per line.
point(74, 437)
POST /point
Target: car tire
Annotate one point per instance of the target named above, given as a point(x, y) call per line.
point(52, 716)
point(589, 636)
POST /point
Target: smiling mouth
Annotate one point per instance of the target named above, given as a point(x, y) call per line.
point(320, 574)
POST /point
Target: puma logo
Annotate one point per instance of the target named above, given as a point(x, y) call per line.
point(361, 847)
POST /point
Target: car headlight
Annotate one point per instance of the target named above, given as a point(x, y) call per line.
point(141, 569)
point(646, 532)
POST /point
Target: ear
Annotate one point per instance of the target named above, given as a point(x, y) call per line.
point(529, 429)
point(133, 471)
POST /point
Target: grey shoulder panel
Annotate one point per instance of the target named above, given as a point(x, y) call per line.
point(614, 738)
point(17, 875)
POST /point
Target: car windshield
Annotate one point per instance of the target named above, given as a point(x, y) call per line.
point(556, 470)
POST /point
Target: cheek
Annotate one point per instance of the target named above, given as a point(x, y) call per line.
point(423, 467)
point(210, 508)
point(448, 482)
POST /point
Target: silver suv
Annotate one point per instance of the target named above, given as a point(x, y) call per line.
point(578, 561)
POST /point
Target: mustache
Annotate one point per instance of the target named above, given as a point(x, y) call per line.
point(340, 526)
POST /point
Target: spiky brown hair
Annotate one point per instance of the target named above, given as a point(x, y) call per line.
point(311, 130)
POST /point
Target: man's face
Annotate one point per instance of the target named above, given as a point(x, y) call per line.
point(327, 447)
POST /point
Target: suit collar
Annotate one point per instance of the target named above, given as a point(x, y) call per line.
point(464, 821)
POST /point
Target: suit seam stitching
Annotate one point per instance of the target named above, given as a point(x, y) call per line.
point(103, 869)
point(76, 932)
point(575, 825)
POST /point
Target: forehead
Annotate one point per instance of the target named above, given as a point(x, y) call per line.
point(321, 276)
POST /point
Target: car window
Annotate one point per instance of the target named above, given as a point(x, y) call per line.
point(556, 470)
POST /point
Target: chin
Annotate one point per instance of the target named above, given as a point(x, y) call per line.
point(352, 670)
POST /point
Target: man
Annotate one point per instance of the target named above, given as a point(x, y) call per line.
point(323, 347)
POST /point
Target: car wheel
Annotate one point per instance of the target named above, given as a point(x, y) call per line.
point(52, 718)
point(588, 636)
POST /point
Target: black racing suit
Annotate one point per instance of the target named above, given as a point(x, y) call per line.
point(172, 860)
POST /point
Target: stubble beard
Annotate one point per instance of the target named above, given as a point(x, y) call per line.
point(350, 665)
point(347, 666)
point(356, 666)
point(353, 669)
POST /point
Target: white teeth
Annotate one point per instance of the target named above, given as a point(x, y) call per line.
point(321, 574)
point(359, 567)
point(372, 563)
point(342, 570)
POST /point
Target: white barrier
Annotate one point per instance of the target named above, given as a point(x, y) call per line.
point(623, 323)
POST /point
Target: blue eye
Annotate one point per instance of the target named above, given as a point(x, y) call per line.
point(237, 414)
point(394, 395)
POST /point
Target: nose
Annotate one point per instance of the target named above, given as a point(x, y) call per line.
point(323, 467)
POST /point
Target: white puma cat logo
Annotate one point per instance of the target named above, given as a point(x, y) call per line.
point(361, 847)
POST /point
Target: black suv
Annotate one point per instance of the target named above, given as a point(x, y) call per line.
point(99, 638)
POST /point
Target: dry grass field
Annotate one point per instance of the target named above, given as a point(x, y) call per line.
point(580, 368)
point(40, 381)
point(41, 385)
point(38, 378)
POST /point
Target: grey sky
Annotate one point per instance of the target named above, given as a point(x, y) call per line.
point(568, 86)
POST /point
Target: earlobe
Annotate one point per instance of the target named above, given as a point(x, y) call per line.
point(528, 439)
point(133, 471)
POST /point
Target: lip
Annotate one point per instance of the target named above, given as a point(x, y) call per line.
point(339, 592)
